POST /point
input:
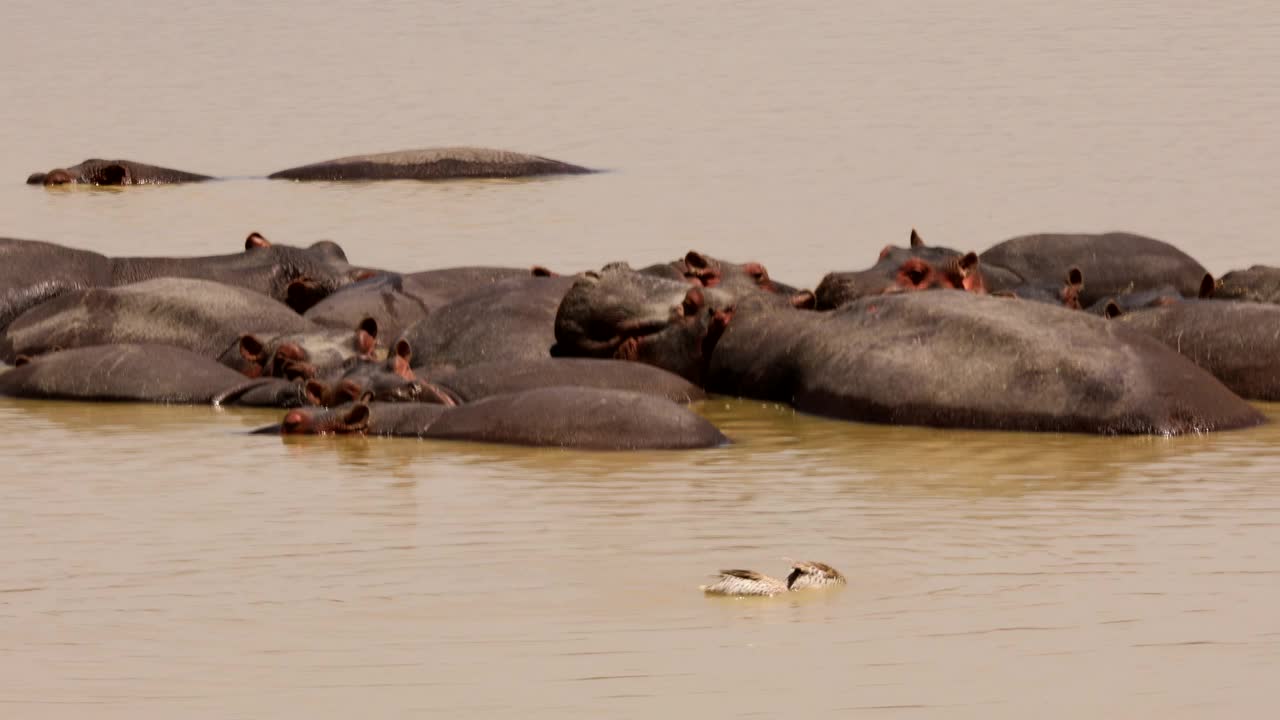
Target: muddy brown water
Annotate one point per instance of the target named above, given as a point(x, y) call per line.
point(158, 562)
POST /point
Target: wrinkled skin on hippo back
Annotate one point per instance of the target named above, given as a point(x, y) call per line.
point(700, 269)
point(1237, 342)
point(582, 418)
point(32, 272)
point(1112, 263)
point(142, 373)
point(507, 320)
point(298, 277)
point(500, 378)
point(908, 269)
point(431, 164)
point(114, 172)
point(202, 316)
point(952, 359)
point(623, 314)
point(1260, 283)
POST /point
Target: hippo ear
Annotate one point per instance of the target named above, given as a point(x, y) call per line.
point(329, 249)
point(314, 391)
point(1075, 278)
point(112, 174)
point(1111, 310)
point(369, 325)
point(804, 300)
point(367, 335)
point(1207, 287)
point(303, 293)
point(540, 271)
point(402, 350)
point(968, 263)
point(696, 260)
point(356, 418)
point(916, 241)
point(22, 360)
point(251, 348)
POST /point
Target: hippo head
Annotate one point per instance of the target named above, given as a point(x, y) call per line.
point(703, 270)
point(620, 313)
point(306, 355)
point(57, 176)
point(918, 267)
point(346, 420)
point(305, 276)
point(389, 381)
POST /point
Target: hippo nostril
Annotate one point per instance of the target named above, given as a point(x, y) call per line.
point(295, 422)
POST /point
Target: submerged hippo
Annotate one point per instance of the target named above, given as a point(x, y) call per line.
point(143, 373)
point(955, 359)
point(114, 172)
point(431, 164)
point(582, 418)
point(805, 575)
point(1237, 342)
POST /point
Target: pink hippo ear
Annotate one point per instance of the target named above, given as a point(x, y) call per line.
point(1111, 310)
point(400, 357)
point(296, 422)
point(356, 419)
point(971, 275)
point(256, 241)
point(302, 293)
point(254, 352)
point(916, 240)
point(699, 267)
point(692, 303)
point(314, 390)
point(1207, 287)
point(1071, 291)
point(367, 336)
point(804, 300)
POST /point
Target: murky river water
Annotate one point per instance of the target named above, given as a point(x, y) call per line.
point(158, 562)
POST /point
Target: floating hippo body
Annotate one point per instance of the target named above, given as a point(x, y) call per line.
point(114, 172)
point(626, 315)
point(1237, 342)
point(431, 164)
point(32, 272)
point(205, 317)
point(500, 378)
point(1112, 263)
point(555, 417)
point(952, 359)
point(507, 320)
point(143, 373)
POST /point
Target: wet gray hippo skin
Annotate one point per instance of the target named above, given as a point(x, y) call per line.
point(953, 359)
point(626, 315)
point(507, 320)
point(431, 164)
point(32, 271)
point(500, 378)
point(114, 172)
point(1260, 283)
point(398, 302)
point(583, 418)
point(1237, 342)
point(205, 317)
point(918, 267)
point(143, 373)
point(1112, 263)
point(697, 268)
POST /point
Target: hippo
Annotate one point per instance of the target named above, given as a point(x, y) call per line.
point(1237, 342)
point(507, 320)
point(805, 575)
point(623, 314)
point(918, 267)
point(1066, 294)
point(1112, 263)
point(568, 417)
point(956, 359)
point(1260, 283)
point(431, 164)
point(699, 269)
point(398, 302)
point(114, 172)
point(143, 373)
point(499, 378)
point(32, 271)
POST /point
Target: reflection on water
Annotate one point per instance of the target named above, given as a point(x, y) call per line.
point(161, 562)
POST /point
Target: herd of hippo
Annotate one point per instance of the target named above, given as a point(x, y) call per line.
point(1112, 334)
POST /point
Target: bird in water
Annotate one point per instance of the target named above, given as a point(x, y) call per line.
point(804, 575)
